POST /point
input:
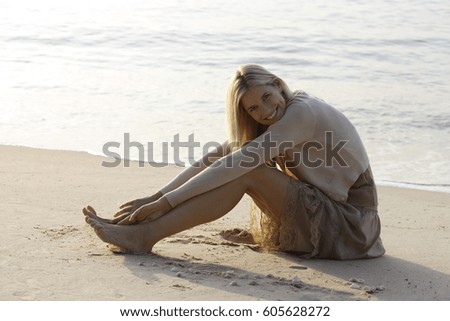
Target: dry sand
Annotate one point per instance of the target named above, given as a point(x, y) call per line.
point(48, 252)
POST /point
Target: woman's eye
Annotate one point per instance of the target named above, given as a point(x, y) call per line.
point(251, 109)
point(266, 96)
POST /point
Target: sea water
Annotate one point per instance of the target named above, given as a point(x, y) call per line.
point(79, 75)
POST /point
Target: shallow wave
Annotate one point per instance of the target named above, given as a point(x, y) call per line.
point(445, 188)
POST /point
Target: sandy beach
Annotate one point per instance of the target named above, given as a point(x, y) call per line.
point(48, 252)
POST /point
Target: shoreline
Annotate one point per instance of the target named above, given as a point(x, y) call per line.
point(440, 188)
point(50, 253)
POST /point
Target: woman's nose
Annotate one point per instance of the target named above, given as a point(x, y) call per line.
point(265, 109)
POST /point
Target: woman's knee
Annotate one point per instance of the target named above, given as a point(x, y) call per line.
point(264, 175)
point(268, 187)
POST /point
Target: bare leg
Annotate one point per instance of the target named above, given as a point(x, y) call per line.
point(267, 185)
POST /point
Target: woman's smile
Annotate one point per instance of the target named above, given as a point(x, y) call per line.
point(272, 116)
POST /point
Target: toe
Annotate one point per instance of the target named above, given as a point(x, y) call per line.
point(89, 220)
point(96, 225)
point(91, 209)
point(89, 214)
point(93, 215)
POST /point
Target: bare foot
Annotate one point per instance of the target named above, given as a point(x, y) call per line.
point(133, 238)
point(238, 235)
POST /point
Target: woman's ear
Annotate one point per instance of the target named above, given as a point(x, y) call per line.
point(277, 83)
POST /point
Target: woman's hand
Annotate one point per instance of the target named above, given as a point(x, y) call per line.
point(130, 207)
point(148, 212)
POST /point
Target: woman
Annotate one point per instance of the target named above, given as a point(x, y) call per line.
point(320, 201)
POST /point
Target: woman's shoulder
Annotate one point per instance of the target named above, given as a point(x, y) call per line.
point(312, 105)
point(297, 96)
point(299, 105)
point(299, 119)
point(302, 97)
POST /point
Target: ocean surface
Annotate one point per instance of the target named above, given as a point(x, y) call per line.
point(82, 75)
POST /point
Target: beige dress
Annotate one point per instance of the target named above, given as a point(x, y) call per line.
point(334, 230)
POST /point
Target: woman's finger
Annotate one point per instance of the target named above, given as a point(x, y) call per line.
point(120, 213)
point(125, 221)
point(130, 203)
point(132, 217)
point(136, 215)
point(119, 218)
point(129, 209)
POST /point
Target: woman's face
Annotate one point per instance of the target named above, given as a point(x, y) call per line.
point(265, 104)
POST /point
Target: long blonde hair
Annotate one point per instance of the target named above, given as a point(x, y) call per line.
point(242, 128)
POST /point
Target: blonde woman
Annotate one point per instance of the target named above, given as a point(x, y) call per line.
point(299, 159)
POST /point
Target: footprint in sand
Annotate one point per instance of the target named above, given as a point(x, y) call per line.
point(237, 235)
point(58, 232)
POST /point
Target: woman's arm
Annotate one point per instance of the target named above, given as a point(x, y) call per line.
point(296, 126)
point(193, 170)
point(131, 207)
